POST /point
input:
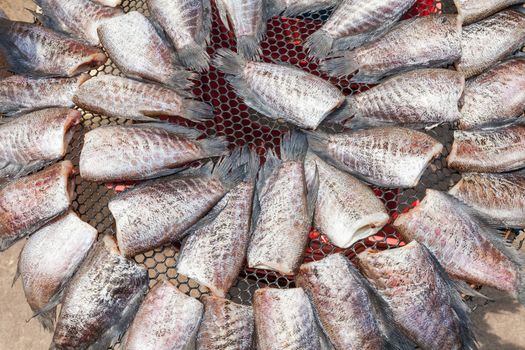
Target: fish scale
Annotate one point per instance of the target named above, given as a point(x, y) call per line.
point(474, 10)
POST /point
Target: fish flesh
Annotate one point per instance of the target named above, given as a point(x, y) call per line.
point(389, 157)
point(48, 261)
point(132, 99)
point(488, 151)
point(188, 25)
point(494, 97)
point(499, 197)
point(280, 91)
point(225, 325)
point(248, 19)
point(346, 209)
point(21, 94)
point(138, 51)
point(282, 215)
point(214, 254)
point(167, 319)
point(143, 151)
point(101, 300)
point(31, 49)
point(488, 41)
point(28, 203)
point(349, 310)
point(474, 10)
point(429, 41)
point(112, 3)
point(298, 7)
point(161, 211)
point(467, 247)
point(36, 139)
point(354, 23)
point(424, 301)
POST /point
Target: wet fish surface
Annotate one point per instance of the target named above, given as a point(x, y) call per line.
point(33, 140)
point(101, 299)
point(420, 42)
point(298, 7)
point(425, 303)
point(225, 325)
point(280, 91)
point(474, 10)
point(488, 151)
point(463, 243)
point(49, 259)
point(488, 41)
point(124, 153)
point(29, 203)
point(389, 157)
point(494, 97)
point(167, 319)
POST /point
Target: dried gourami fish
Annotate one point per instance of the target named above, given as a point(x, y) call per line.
point(298, 7)
point(112, 3)
point(429, 41)
point(280, 91)
point(474, 10)
point(488, 41)
point(188, 24)
point(101, 300)
point(48, 261)
point(29, 203)
point(488, 151)
point(424, 301)
point(387, 156)
point(494, 97)
point(35, 50)
point(143, 151)
point(160, 211)
point(137, 49)
point(355, 22)
point(167, 319)
point(463, 243)
point(225, 325)
point(346, 209)
point(33, 140)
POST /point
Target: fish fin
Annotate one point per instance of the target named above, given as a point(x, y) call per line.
point(17, 273)
point(248, 46)
point(464, 288)
point(256, 211)
point(180, 79)
point(340, 66)
point(293, 146)
point(47, 314)
point(194, 56)
point(313, 190)
point(208, 218)
point(252, 161)
point(229, 62)
point(298, 9)
point(229, 169)
point(147, 116)
point(343, 113)
point(6, 242)
point(214, 146)
point(176, 129)
point(223, 13)
point(317, 141)
point(319, 44)
point(205, 169)
point(17, 61)
point(250, 98)
point(47, 21)
point(204, 35)
point(196, 111)
point(274, 8)
point(272, 162)
point(520, 8)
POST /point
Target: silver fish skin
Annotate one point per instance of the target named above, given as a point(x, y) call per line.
point(465, 245)
point(160, 211)
point(389, 157)
point(280, 91)
point(225, 325)
point(48, 261)
point(188, 24)
point(112, 3)
point(488, 41)
point(143, 151)
point(80, 18)
point(494, 97)
point(488, 151)
point(346, 209)
point(34, 50)
point(137, 49)
point(298, 7)
point(430, 41)
point(166, 320)
point(354, 23)
point(284, 320)
point(132, 99)
point(101, 300)
point(424, 301)
point(28, 203)
point(21, 94)
point(500, 197)
point(475, 10)
point(34, 140)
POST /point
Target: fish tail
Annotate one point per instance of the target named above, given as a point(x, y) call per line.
point(181, 79)
point(341, 66)
point(17, 61)
point(229, 62)
point(230, 169)
point(248, 46)
point(319, 44)
point(317, 141)
point(47, 320)
point(293, 146)
point(197, 111)
point(194, 57)
point(214, 147)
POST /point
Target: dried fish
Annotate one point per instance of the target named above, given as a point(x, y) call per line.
point(112, 3)
point(474, 10)
point(298, 7)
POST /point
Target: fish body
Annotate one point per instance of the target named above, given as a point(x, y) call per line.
point(280, 91)
point(420, 42)
point(101, 299)
point(33, 140)
point(424, 301)
point(390, 157)
point(112, 3)
point(28, 203)
point(474, 10)
point(486, 42)
point(167, 319)
point(488, 151)
point(298, 7)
